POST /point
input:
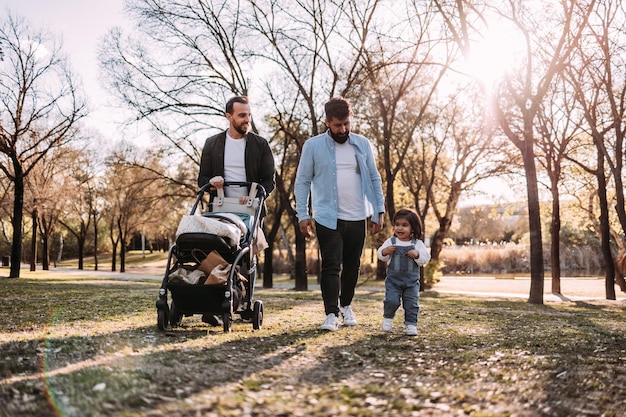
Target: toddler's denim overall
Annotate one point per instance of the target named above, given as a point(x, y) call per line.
point(402, 285)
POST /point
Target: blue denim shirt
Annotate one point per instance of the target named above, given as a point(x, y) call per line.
point(317, 177)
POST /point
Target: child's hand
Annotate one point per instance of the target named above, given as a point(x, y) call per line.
point(389, 250)
point(413, 254)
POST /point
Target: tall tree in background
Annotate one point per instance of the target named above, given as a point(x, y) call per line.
point(176, 71)
point(137, 196)
point(558, 124)
point(550, 33)
point(77, 217)
point(47, 196)
point(456, 148)
point(40, 107)
point(599, 82)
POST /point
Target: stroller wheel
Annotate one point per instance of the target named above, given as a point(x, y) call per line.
point(257, 315)
point(176, 317)
point(228, 321)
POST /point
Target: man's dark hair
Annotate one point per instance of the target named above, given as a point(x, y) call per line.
point(337, 107)
point(237, 99)
point(413, 219)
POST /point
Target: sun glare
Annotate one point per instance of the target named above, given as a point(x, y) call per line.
point(36, 49)
point(497, 52)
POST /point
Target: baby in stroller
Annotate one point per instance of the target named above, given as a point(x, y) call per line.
point(211, 268)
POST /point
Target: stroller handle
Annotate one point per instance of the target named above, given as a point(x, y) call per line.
point(260, 189)
point(208, 188)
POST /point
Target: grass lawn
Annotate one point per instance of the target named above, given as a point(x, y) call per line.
point(85, 346)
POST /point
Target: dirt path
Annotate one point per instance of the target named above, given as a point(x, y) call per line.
point(518, 287)
point(571, 288)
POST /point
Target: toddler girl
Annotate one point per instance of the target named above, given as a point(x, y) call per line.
point(404, 254)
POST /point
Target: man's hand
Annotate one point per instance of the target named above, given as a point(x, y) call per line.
point(306, 228)
point(217, 182)
point(377, 227)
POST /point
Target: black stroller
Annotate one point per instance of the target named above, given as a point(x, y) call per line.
point(235, 296)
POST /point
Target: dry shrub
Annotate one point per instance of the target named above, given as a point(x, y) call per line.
point(514, 258)
point(586, 258)
point(483, 259)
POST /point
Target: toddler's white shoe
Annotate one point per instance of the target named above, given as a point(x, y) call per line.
point(411, 330)
point(348, 316)
point(387, 324)
point(331, 323)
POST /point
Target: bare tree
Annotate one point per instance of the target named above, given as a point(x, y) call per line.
point(177, 71)
point(600, 90)
point(79, 176)
point(47, 196)
point(456, 147)
point(558, 124)
point(550, 35)
point(136, 198)
point(40, 109)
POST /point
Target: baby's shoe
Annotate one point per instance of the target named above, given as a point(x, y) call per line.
point(387, 323)
point(411, 330)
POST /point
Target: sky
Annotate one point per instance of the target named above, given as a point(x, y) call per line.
point(81, 24)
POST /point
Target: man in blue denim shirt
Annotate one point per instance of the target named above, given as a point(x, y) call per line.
point(338, 171)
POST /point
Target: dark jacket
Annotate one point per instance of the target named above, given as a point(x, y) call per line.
point(258, 158)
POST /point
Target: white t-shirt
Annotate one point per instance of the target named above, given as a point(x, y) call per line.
point(349, 190)
point(419, 247)
point(235, 165)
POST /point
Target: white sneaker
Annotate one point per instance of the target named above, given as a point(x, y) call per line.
point(387, 324)
point(348, 316)
point(331, 323)
point(411, 330)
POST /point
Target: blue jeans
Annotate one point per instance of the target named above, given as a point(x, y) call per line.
point(341, 251)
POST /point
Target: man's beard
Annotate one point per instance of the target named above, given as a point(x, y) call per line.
point(241, 129)
point(340, 138)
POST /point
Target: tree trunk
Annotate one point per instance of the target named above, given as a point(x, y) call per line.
point(620, 206)
point(555, 232)
point(60, 254)
point(122, 239)
point(33, 242)
point(534, 223)
point(268, 266)
point(605, 230)
point(123, 257)
point(619, 259)
point(81, 252)
point(302, 283)
point(45, 252)
point(18, 207)
point(381, 270)
point(114, 257)
point(95, 241)
point(436, 244)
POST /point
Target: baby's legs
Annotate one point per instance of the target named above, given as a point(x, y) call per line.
point(393, 293)
point(410, 303)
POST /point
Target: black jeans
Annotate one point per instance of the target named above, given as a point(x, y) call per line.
point(341, 250)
